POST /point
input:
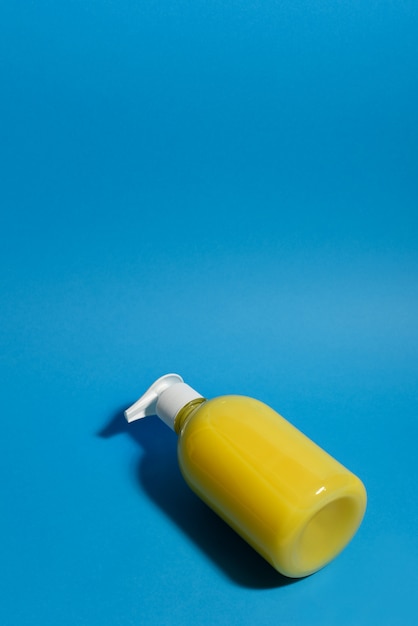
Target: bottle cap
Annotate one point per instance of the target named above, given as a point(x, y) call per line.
point(165, 398)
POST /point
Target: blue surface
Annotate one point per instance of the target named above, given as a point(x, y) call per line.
point(228, 190)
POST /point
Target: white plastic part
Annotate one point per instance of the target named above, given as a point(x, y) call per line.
point(165, 398)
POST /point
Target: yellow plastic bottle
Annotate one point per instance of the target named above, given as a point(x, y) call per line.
point(289, 499)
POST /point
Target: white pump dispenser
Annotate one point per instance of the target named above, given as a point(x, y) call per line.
point(165, 398)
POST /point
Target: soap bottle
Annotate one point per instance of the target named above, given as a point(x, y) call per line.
point(290, 500)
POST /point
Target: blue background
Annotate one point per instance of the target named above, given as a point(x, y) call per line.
point(228, 190)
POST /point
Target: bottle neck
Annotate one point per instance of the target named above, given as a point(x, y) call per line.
point(186, 412)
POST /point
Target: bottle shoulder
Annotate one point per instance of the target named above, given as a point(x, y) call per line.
point(233, 402)
point(227, 413)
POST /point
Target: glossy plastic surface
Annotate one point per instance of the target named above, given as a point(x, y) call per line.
point(294, 503)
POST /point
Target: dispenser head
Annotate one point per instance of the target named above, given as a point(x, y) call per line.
point(165, 398)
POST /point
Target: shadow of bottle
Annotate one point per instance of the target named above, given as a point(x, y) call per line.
point(160, 477)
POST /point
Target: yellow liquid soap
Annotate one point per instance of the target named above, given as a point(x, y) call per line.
point(290, 500)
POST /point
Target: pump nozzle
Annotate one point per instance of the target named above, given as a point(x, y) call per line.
point(157, 400)
point(147, 403)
